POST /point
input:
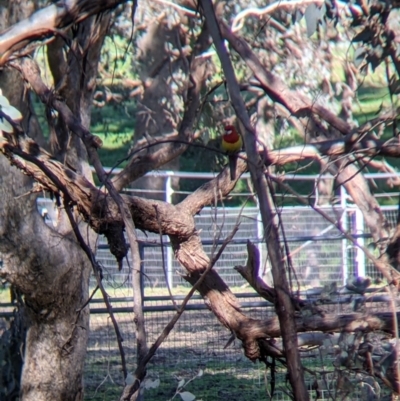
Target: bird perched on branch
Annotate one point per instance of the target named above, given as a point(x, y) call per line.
point(232, 144)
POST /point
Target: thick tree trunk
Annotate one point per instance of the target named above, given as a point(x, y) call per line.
point(51, 272)
point(47, 265)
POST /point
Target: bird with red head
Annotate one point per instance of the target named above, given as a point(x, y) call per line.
point(232, 144)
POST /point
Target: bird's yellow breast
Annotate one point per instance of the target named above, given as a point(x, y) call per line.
point(232, 147)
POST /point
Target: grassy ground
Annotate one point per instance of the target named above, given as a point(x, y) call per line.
point(4, 294)
point(115, 126)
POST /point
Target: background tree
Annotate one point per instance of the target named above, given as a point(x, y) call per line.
point(49, 267)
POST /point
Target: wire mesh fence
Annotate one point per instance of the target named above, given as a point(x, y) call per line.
point(320, 255)
point(196, 355)
point(193, 351)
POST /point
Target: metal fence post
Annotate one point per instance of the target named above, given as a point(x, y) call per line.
point(360, 256)
point(344, 218)
point(260, 238)
point(140, 397)
point(168, 198)
point(141, 253)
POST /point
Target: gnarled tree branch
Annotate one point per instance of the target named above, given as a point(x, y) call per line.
point(45, 23)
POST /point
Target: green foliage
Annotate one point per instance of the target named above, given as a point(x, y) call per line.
point(116, 60)
point(313, 16)
point(114, 125)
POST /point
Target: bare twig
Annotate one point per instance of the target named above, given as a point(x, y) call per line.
point(238, 21)
point(189, 12)
point(366, 146)
point(250, 273)
point(90, 297)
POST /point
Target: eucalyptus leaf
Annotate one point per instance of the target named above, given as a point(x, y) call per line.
point(374, 60)
point(364, 36)
point(359, 56)
point(297, 16)
point(6, 126)
point(129, 380)
point(149, 384)
point(395, 87)
point(4, 101)
point(12, 112)
point(312, 16)
point(186, 396)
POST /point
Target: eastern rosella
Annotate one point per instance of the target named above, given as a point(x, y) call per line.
point(232, 144)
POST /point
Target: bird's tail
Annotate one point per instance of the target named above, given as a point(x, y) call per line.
point(232, 166)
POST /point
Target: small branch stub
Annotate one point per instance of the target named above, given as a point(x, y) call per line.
point(250, 273)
